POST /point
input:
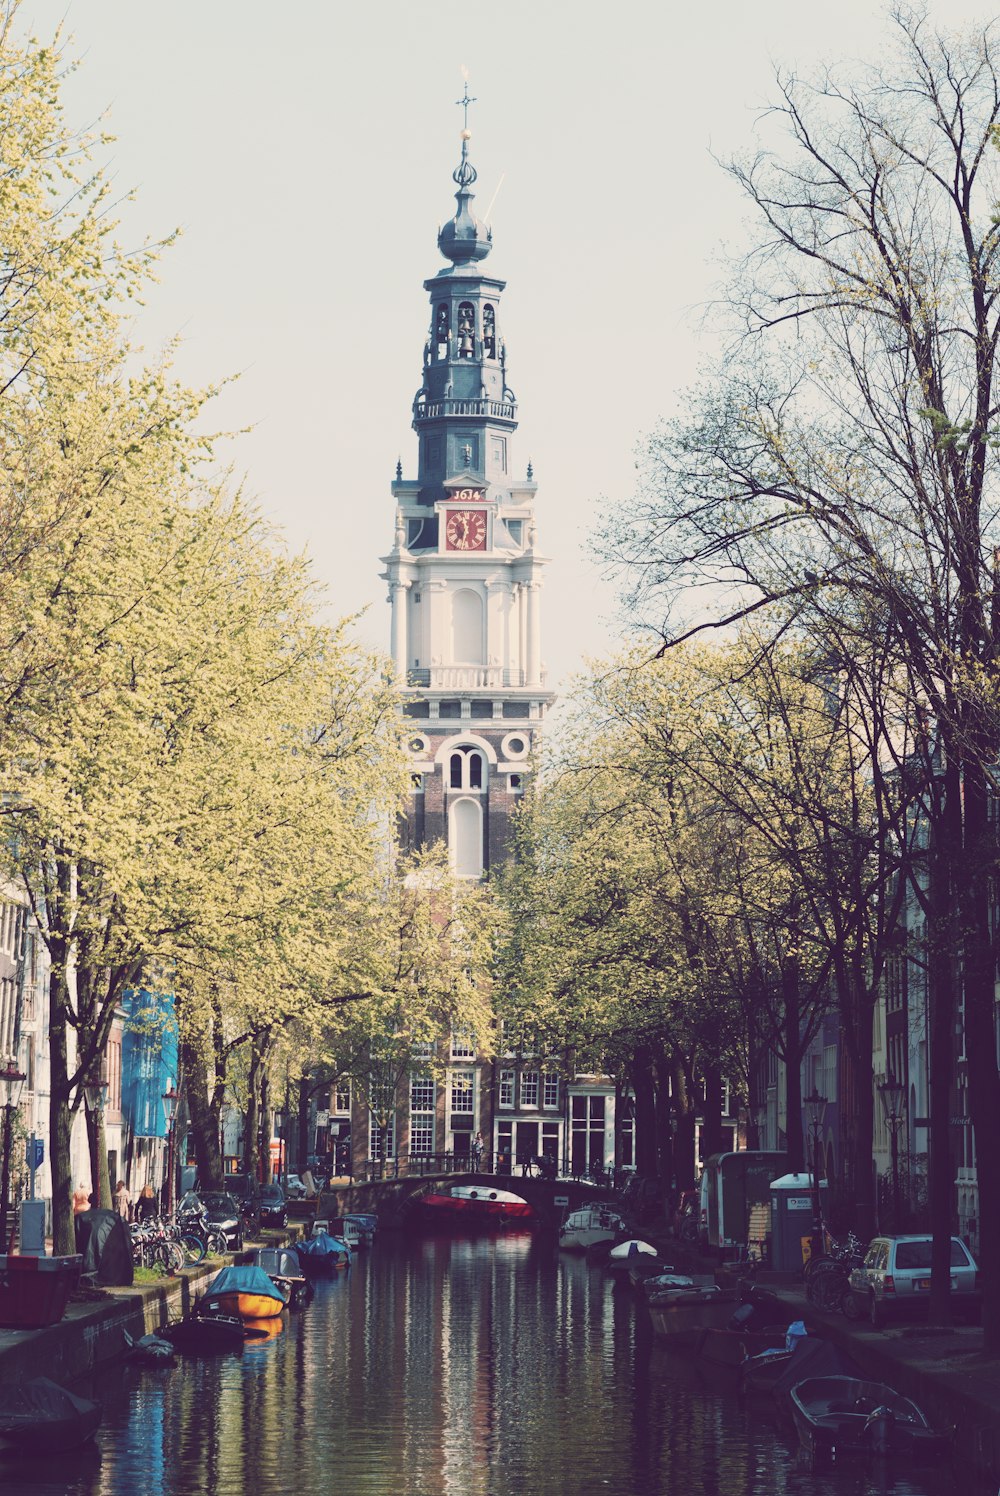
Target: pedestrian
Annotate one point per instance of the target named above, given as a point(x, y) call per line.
point(81, 1199)
point(477, 1151)
point(146, 1207)
point(123, 1200)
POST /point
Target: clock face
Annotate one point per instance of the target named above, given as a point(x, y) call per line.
point(465, 530)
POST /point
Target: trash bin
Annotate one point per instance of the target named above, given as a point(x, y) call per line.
point(34, 1291)
point(792, 1219)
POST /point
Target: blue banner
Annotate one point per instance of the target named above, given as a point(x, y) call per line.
point(149, 1060)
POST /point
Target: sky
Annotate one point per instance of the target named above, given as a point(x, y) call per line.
point(305, 151)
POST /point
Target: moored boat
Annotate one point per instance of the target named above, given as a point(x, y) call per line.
point(284, 1269)
point(246, 1292)
point(839, 1416)
point(473, 1205)
point(323, 1253)
point(586, 1227)
point(206, 1334)
point(681, 1316)
point(41, 1417)
point(624, 1255)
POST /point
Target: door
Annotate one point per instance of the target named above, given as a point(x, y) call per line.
point(525, 1142)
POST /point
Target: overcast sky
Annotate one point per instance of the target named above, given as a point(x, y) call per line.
point(306, 151)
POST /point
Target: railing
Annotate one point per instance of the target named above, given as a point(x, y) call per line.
point(501, 410)
point(466, 677)
point(416, 1165)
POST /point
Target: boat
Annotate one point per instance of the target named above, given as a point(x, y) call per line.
point(837, 1417)
point(671, 1282)
point(323, 1253)
point(624, 1255)
point(725, 1346)
point(473, 1205)
point(206, 1334)
point(284, 1269)
point(356, 1229)
point(246, 1292)
point(681, 1315)
point(585, 1228)
point(41, 1417)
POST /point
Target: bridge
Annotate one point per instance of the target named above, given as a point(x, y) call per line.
point(552, 1199)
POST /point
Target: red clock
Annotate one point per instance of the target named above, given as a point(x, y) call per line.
point(465, 530)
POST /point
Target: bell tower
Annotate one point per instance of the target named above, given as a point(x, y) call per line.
point(464, 572)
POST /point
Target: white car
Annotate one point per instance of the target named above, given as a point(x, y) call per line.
point(896, 1277)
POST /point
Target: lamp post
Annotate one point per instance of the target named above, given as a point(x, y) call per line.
point(95, 1096)
point(893, 1095)
point(170, 1112)
point(815, 1106)
point(11, 1081)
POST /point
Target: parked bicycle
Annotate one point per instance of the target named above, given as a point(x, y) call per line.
point(154, 1245)
point(828, 1278)
point(196, 1236)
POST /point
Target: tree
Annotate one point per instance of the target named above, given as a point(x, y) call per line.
point(844, 462)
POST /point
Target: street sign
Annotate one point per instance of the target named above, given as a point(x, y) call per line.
point(34, 1153)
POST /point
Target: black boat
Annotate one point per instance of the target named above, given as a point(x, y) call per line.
point(41, 1417)
point(284, 1269)
point(838, 1417)
point(206, 1334)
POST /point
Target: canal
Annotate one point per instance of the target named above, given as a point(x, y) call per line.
point(444, 1367)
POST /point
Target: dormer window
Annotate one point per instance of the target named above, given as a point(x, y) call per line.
point(466, 330)
point(489, 331)
point(442, 330)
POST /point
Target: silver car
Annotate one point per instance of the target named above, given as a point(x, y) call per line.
point(896, 1277)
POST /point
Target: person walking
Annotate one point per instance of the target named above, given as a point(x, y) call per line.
point(122, 1200)
point(81, 1199)
point(146, 1206)
point(477, 1152)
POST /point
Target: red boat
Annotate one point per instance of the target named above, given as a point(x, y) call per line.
point(474, 1205)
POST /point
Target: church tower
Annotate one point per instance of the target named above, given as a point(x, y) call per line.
point(464, 572)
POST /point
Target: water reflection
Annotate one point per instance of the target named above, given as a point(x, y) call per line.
point(442, 1367)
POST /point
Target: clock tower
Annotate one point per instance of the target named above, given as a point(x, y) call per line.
point(464, 572)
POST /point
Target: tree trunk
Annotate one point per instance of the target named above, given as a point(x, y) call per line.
point(712, 1129)
point(302, 1149)
point(942, 953)
point(792, 1046)
point(204, 1125)
point(251, 1138)
point(684, 1134)
point(60, 1116)
point(643, 1085)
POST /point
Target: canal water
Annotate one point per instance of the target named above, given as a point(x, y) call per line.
point(445, 1367)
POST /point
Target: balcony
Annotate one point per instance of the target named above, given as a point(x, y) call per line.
point(466, 678)
point(498, 410)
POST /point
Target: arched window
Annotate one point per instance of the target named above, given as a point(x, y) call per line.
point(489, 331)
point(465, 838)
point(442, 328)
point(466, 330)
point(467, 627)
point(466, 769)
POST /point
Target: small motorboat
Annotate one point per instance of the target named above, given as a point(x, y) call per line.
point(466, 1205)
point(836, 1417)
point(284, 1269)
point(40, 1417)
point(246, 1292)
point(585, 1228)
point(206, 1334)
point(672, 1283)
point(681, 1315)
point(323, 1253)
point(356, 1229)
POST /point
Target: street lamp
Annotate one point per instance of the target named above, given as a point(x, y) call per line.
point(893, 1094)
point(815, 1106)
point(11, 1081)
point(170, 1111)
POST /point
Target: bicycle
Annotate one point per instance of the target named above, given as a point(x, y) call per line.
point(828, 1278)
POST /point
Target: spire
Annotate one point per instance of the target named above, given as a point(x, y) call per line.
point(464, 238)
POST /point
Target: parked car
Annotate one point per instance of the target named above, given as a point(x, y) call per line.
point(223, 1212)
point(245, 1189)
point(272, 1206)
point(895, 1278)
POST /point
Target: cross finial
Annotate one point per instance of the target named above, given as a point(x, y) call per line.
point(464, 102)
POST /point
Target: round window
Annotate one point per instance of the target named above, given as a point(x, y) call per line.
point(515, 746)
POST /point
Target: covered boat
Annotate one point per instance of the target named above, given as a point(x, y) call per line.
point(474, 1205)
point(41, 1417)
point(323, 1253)
point(838, 1416)
point(284, 1269)
point(682, 1315)
point(585, 1228)
point(246, 1292)
point(356, 1229)
point(624, 1255)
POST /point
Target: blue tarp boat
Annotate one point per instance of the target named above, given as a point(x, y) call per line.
point(323, 1253)
point(246, 1291)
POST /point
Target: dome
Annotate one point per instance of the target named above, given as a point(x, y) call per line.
point(464, 238)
